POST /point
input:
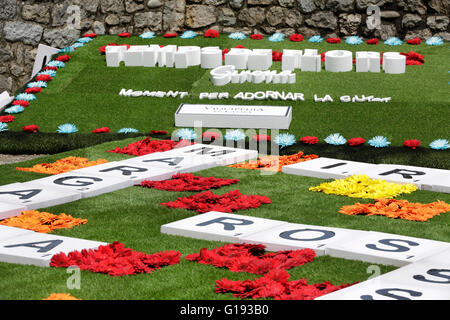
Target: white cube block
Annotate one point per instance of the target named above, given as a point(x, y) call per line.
point(193, 54)
point(150, 57)
point(257, 61)
point(11, 232)
point(181, 60)
point(338, 61)
point(114, 55)
point(389, 54)
point(395, 64)
point(367, 61)
point(297, 54)
point(8, 210)
point(134, 57)
point(218, 226)
point(268, 56)
point(211, 59)
point(237, 58)
point(311, 63)
point(289, 62)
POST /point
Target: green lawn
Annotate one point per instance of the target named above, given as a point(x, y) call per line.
point(133, 216)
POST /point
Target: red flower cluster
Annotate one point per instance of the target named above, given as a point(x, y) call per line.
point(116, 260)
point(7, 119)
point(372, 41)
point(210, 135)
point(44, 77)
point(296, 37)
point(261, 137)
point(414, 58)
point(309, 140)
point(356, 141)
point(211, 33)
point(251, 258)
point(322, 56)
point(170, 35)
point(158, 132)
point(277, 55)
point(63, 58)
point(275, 284)
point(30, 128)
point(414, 41)
point(334, 40)
point(22, 103)
point(413, 143)
point(33, 90)
point(228, 202)
point(50, 68)
point(101, 130)
point(256, 37)
point(189, 182)
point(224, 51)
point(90, 35)
point(240, 46)
point(146, 146)
point(124, 35)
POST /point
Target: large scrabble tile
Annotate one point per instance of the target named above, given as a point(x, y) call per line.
point(128, 170)
point(292, 236)
point(38, 248)
point(174, 162)
point(218, 226)
point(221, 155)
point(36, 196)
point(88, 185)
point(10, 232)
point(10, 210)
point(384, 248)
point(326, 168)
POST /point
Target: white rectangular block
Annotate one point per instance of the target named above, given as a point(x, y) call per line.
point(11, 232)
point(149, 57)
point(181, 60)
point(114, 55)
point(8, 210)
point(211, 58)
point(384, 248)
point(134, 56)
point(367, 61)
point(311, 63)
point(327, 168)
point(38, 248)
point(218, 226)
point(268, 57)
point(128, 169)
point(291, 236)
point(288, 62)
point(35, 196)
point(234, 116)
point(88, 185)
point(238, 58)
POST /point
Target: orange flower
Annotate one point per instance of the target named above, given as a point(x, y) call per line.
point(274, 163)
point(63, 165)
point(60, 296)
point(398, 209)
point(43, 222)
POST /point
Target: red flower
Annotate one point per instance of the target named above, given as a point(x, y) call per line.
point(240, 46)
point(224, 51)
point(30, 128)
point(261, 137)
point(414, 58)
point(124, 35)
point(277, 55)
point(413, 143)
point(372, 41)
point(158, 132)
point(322, 56)
point(411, 62)
point(334, 40)
point(296, 37)
point(63, 58)
point(256, 37)
point(355, 141)
point(170, 35)
point(210, 135)
point(414, 41)
point(189, 182)
point(101, 130)
point(44, 77)
point(49, 68)
point(22, 103)
point(211, 33)
point(90, 35)
point(7, 119)
point(309, 140)
point(146, 146)
point(33, 90)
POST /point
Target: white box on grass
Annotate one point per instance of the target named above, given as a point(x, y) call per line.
point(11, 232)
point(8, 210)
point(134, 56)
point(218, 226)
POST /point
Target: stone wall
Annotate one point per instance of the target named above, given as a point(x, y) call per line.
point(25, 24)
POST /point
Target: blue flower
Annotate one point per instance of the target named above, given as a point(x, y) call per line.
point(284, 140)
point(67, 128)
point(379, 142)
point(25, 96)
point(148, 35)
point(237, 36)
point(188, 35)
point(128, 130)
point(186, 134)
point(77, 45)
point(51, 73)
point(276, 37)
point(316, 39)
point(335, 139)
point(66, 49)
point(56, 63)
point(354, 40)
point(84, 40)
point(3, 127)
point(393, 41)
point(15, 109)
point(234, 135)
point(440, 144)
point(40, 84)
point(434, 41)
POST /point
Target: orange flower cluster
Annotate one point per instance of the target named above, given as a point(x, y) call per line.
point(274, 163)
point(60, 296)
point(43, 222)
point(63, 165)
point(401, 209)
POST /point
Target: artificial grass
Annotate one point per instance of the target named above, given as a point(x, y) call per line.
point(133, 216)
